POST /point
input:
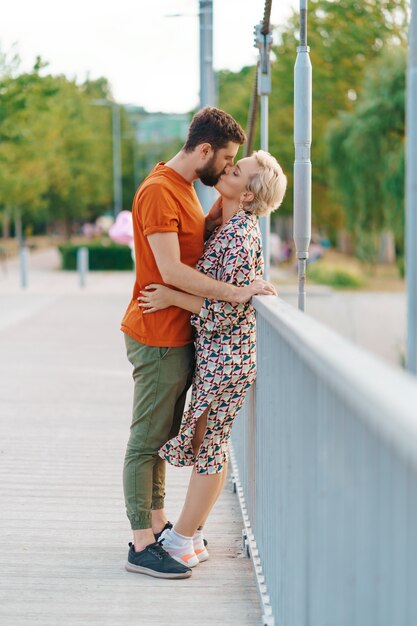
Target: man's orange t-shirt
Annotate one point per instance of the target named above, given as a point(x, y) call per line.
point(165, 202)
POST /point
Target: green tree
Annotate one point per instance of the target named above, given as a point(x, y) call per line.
point(78, 157)
point(366, 150)
point(55, 149)
point(23, 168)
point(344, 36)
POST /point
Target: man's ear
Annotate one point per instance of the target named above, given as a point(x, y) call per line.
point(205, 151)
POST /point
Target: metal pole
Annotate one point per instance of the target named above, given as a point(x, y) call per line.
point(263, 41)
point(411, 194)
point(136, 175)
point(253, 113)
point(117, 152)
point(117, 159)
point(207, 86)
point(23, 265)
point(265, 222)
point(302, 164)
point(82, 264)
point(207, 195)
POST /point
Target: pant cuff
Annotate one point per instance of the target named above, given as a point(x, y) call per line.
point(140, 521)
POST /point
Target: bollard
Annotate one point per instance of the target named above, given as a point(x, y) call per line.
point(82, 264)
point(23, 266)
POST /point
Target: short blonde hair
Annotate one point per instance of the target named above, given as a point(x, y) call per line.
point(268, 185)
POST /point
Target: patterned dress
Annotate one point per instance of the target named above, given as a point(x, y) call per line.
point(225, 347)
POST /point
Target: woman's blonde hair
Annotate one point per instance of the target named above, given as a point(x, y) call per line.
point(268, 185)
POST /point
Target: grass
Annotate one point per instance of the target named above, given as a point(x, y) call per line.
point(336, 275)
point(341, 271)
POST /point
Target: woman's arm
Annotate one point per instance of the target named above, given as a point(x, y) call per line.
point(156, 297)
point(238, 267)
point(166, 251)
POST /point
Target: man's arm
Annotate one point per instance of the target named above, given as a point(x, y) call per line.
point(166, 250)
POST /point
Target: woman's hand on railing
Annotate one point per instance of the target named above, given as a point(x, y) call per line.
point(258, 287)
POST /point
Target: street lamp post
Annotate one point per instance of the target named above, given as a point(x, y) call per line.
point(117, 159)
point(206, 195)
point(302, 164)
point(117, 153)
point(207, 82)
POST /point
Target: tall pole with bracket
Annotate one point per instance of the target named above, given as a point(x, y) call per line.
point(263, 41)
point(302, 164)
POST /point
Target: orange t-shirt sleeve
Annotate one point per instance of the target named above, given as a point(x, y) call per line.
point(158, 211)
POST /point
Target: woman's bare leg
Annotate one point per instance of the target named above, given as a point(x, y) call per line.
point(223, 475)
point(203, 489)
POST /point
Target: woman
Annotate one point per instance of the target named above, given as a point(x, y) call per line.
point(225, 345)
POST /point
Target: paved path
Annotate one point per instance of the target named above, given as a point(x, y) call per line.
point(65, 395)
point(374, 320)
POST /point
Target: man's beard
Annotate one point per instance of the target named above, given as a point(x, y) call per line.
point(208, 174)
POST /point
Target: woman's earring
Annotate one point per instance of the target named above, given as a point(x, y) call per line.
point(240, 205)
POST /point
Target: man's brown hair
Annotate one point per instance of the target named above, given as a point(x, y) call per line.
point(213, 126)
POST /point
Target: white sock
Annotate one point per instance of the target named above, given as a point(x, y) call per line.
point(198, 541)
point(178, 540)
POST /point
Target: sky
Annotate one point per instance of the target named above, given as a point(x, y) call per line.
point(150, 59)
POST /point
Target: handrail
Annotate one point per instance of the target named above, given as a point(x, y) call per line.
point(325, 452)
point(383, 392)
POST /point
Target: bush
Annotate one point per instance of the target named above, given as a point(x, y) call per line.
point(335, 276)
point(102, 255)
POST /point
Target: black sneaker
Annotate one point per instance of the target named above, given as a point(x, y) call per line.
point(168, 526)
point(154, 561)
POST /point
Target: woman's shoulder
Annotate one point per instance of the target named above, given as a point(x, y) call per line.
point(241, 225)
point(241, 231)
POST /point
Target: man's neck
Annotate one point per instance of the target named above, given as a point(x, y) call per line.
point(183, 164)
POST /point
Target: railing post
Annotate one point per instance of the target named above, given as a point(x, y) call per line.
point(82, 264)
point(411, 195)
point(302, 164)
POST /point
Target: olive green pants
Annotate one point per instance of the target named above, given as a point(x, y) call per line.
point(161, 377)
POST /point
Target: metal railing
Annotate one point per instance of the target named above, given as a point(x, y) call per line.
point(326, 449)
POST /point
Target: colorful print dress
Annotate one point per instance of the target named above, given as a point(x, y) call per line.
point(225, 347)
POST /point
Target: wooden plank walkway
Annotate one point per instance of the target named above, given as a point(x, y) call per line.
point(65, 397)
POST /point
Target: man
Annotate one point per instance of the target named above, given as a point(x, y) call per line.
point(169, 232)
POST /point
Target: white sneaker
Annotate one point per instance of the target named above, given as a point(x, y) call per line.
point(199, 547)
point(180, 548)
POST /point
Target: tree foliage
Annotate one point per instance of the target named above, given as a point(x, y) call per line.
point(56, 147)
point(366, 150)
point(344, 37)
